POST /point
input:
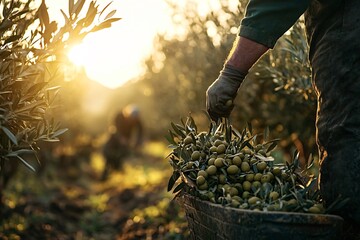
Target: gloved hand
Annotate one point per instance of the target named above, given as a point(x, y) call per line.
point(222, 92)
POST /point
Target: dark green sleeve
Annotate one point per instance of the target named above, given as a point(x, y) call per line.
point(266, 21)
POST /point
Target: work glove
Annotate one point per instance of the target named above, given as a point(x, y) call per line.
point(222, 92)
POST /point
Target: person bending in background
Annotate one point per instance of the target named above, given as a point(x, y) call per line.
point(127, 138)
point(333, 33)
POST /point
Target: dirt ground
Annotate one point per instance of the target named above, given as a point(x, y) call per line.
point(68, 200)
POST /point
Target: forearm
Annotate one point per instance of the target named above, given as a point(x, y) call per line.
point(245, 54)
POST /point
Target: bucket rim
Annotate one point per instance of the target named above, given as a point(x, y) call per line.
point(186, 199)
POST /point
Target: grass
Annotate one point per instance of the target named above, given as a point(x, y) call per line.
point(68, 201)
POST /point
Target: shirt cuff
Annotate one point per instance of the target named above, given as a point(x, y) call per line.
point(258, 36)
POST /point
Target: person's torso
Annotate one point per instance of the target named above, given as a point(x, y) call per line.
point(331, 22)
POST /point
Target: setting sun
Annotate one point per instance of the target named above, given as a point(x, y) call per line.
point(77, 55)
point(109, 58)
point(115, 55)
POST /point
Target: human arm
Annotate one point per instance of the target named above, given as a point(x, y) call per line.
point(265, 21)
point(222, 92)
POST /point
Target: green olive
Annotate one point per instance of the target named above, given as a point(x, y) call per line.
point(245, 166)
point(237, 161)
point(219, 162)
point(274, 195)
point(232, 169)
point(221, 149)
point(261, 166)
point(202, 173)
point(188, 140)
point(253, 200)
point(195, 155)
point(200, 180)
point(211, 170)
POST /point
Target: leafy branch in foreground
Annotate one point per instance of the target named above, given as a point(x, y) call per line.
point(31, 52)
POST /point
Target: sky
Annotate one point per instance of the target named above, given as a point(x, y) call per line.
point(115, 55)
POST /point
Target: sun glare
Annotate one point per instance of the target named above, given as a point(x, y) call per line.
point(116, 55)
point(106, 59)
point(77, 55)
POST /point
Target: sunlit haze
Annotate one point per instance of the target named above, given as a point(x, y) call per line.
point(115, 55)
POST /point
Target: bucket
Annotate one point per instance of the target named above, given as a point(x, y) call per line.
point(209, 221)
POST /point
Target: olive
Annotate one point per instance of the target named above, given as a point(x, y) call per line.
point(245, 167)
point(232, 169)
point(211, 170)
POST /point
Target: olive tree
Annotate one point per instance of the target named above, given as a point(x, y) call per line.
point(277, 92)
point(31, 56)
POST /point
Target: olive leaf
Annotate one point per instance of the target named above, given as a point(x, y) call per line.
point(266, 159)
point(179, 187)
point(174, 177)
point(310, 162)
point(10, 135)
point(177, 130)
point(266, 133)
point(273, 143)
point(171, 138)
point(187, 180)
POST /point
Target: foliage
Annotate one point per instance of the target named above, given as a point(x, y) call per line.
point(277, 93)
point(183, 66)
point(31, 52)
point(236, 169)
point(288, 65)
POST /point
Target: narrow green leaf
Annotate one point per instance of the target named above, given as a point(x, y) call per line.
point(228, 132)
point(104, 25)
point(71, 7)
point(10, 135)
point(59, 132)
point(170, 138)
point(266, 134)
point(43, 14)
point(187, 180)
point(26, 163)
point(236, 133)
point(67, 20)
point(35, 88)
point(178, 194)
point(102, 11)
point(177, 130)
point(266, 159)
point(271, 147)
point(78, 7)
point(179, 187)
point(21, 151)
point(110, 14)
point(193, 124)
point(12, 39)
point(249, 127)
point(310, 161)
point(90, 15)
point(174, 177)
point(46, 139)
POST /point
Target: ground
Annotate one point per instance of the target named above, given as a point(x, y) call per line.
point(67, 200)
